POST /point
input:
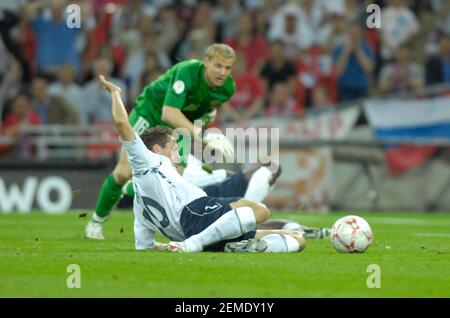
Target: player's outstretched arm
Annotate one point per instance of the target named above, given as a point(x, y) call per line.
point(119, 113)
point(175, 118)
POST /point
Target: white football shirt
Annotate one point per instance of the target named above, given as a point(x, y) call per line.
point(161, 194)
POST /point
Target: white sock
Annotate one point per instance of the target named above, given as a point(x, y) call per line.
point(125, 187)
point(292, 226)
point(98, 218)
point(232, 224)
point(258, 186)
point(281, 243)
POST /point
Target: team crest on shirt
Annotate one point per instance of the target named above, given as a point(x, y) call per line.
point(215, 103)
point(191, 108)
point(178, 87)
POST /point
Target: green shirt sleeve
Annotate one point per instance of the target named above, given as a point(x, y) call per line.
point(232, 87)
point(177, 89)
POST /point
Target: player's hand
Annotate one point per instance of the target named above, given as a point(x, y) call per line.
point(221, 143)
point(161, 246)
point(108, 86)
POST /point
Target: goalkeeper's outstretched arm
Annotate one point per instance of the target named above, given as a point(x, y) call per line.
point(119, 113)
point(175, 118)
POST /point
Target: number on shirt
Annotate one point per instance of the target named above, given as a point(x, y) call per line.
point(152, 217)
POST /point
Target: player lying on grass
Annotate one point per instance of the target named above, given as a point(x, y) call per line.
point(253, 183)
point(166, 203)
point(188, 91)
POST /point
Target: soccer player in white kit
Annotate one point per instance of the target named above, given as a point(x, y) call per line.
point(166, 203)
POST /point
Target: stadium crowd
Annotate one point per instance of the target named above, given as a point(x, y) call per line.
point(293, 56)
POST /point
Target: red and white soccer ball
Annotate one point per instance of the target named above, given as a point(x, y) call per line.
point(351, 234)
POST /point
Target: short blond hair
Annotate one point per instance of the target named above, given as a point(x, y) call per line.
point(221, 49)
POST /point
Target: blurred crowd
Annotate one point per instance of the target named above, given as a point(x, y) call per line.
point(293, 56)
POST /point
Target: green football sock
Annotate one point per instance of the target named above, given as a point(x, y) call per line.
point(128, 189)
point(109, 196)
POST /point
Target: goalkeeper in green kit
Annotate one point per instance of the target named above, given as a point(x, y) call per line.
point(188, 91)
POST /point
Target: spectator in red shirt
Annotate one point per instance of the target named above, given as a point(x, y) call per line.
point(248, 99)
point(282, 102)
point(253, 45)
point(321, 98)
point(21, 114)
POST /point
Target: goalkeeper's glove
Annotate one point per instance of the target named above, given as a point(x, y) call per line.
point(221, 143)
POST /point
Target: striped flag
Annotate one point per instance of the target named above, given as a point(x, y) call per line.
point(409, 121)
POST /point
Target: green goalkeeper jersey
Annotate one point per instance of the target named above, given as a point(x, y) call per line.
point(183, 86)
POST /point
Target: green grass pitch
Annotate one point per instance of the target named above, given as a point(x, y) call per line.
point(412, 250)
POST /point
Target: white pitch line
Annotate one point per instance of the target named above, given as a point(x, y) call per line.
point(432, 234)
point(408, 221)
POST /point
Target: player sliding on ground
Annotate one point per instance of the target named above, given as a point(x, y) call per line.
point(188, 91)
point(253, 183)
point(165, 202)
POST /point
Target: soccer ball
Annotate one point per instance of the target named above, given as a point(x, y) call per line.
point(351, 234)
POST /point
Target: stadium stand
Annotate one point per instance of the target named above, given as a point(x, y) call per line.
point(325, 48)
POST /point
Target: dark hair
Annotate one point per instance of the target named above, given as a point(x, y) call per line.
point(157, 135)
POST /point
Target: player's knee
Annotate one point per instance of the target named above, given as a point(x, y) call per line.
point(261, 211)
point(299, 238)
